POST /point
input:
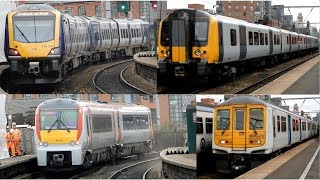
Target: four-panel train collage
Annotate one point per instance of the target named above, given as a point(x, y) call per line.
point(164, 89)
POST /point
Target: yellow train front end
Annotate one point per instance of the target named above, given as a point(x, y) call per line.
point(239, 136)
point(33, 44)
point(187, 42)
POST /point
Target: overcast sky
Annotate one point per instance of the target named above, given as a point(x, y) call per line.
point(307, 106)
point(313, 17)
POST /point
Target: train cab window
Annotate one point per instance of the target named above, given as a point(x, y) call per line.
point(239, 119)
point(261, 38)
point(208, 125)
point(58, 119)
point(256, 38)
point(164, 33)
point(201, 31)
point(283, 124)
point(250, 38)
point(266, 38)
point(223, 119)
point(256, 119)
point(199, 129)
point(233, 37)
point(278, 123)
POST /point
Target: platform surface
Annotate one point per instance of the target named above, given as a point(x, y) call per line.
point(303, 79)
point(188, 161)
point(148, 61)
point(292, 164)
point(15, 160)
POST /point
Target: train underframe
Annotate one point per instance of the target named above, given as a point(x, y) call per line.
point(238, 163)
point(63, 160)
point(224, 71)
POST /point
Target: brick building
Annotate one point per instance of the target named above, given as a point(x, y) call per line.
point(196, 6)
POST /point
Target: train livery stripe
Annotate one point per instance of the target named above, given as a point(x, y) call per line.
point(221, 49)
point(80, 121)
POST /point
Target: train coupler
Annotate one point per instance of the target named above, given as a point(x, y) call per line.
point(179, 71)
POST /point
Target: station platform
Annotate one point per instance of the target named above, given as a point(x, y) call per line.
point(2, 68)
point(146, 60)
point(304, 79)
point(301, 162)
point(178, 165)
point(13, 166)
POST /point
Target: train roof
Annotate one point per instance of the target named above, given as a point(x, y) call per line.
point(253, 100)
point(34, 7)
point(205, 107)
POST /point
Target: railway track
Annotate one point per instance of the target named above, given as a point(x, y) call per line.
point(135, 171)
point(145, 175)
point(108, 79)
point(131, 85)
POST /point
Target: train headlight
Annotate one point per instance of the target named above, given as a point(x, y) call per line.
point(55, 51)
point(72, 143)
point(257, 141)
point(14, 52)
point(224, 141)
point(45, 144)
point(197, 52)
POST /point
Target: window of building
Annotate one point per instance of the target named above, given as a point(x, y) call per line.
point(256, 38)
point(237, 7)
point(250, 38)
point(81, 11)
point(261, 38)
point(229, 14)
point(237, 14)
point(244, 7)
point(233, 37)
point(98, 10)
point(69, 10)
point(283, 124)
point(43, 95)
point(27, 96)
point(251, 8)
point(115, 97)
point(229, 7)
point(251, 14)
point(244, 14)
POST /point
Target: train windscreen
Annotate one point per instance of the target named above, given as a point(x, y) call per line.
point(165, 33)
point(223, 120)
point(200, 31)
point(33, 29)
point(59, 119)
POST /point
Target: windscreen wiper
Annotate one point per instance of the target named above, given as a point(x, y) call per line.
point(22, 33)
point(254, 127)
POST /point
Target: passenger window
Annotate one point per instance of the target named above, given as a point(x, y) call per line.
point(283, 124)
point(266, 38)
point(274, 126)
point(287, 39)
point(278, 39)
point(261, 38)
point(256, 119)
point(293, 125)
point(275, 39)
point(278, 123)
point(199, 129)
point(250, 38)
point(209, 125)
point(256, 38)
point(233, 37)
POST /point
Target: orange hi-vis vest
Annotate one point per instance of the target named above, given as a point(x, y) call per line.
point(16, 135)
point(10, 137)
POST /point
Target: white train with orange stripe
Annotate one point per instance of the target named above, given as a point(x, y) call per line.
point(71, 134)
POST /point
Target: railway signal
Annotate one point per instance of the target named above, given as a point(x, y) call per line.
point(154, 4)
point(124, 6)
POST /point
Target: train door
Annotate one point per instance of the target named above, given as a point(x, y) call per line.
point(289, 129)
point(300, 129)
point(271, 41)
point(178, 28)
point(239, 129)
point(243, 42)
